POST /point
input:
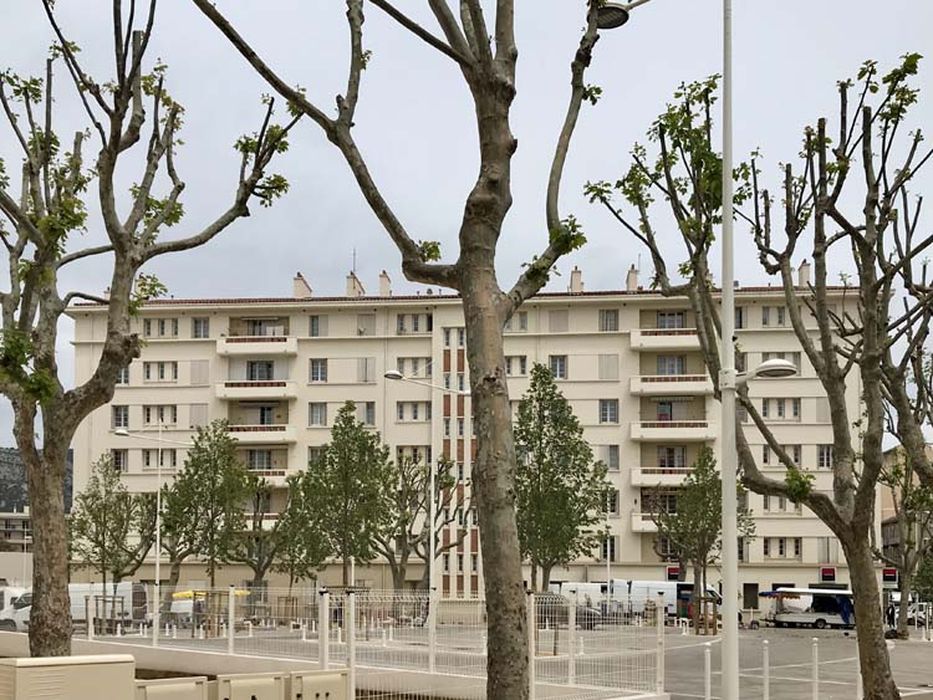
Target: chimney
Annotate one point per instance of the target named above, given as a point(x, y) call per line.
point(576, 280)
point(631, 280)
point(385, 284)
point(300, 287)
point(354, 286)
point(803, 274)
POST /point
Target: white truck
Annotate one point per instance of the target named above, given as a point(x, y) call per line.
point(129, 603)
point(633, 595)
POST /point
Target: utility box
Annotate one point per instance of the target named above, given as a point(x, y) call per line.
point(251, 686)
point(193, 688)
point(68, 677)
point(319, 685)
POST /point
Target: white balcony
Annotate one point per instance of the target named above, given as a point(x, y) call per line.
point(642, 522)
point(664, 339)
point(253, 345)
point(671, 385)
point(276, 477)
point(674, 430)
point(262, 434)
point(658, 476)
point(236, 389)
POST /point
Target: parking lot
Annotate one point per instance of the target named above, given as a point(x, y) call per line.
point(791, 666)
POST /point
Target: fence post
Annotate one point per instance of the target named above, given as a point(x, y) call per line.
point(659, 677)
point(707, 671)
point(156, 613)
point(350, 624)
point(765, 671)
point(324, 629)
point(432, 629)
point(231, 617)
point(571, 642)
point(89, 617)
point(530, 616)
point(816, 669)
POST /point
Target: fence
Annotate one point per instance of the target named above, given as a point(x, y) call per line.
point(398, 643)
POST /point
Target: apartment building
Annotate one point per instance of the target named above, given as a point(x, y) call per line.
point(628, 360)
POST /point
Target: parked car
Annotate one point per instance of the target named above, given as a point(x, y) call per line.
point(553, 610)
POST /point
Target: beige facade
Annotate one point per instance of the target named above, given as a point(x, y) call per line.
point(628, 361)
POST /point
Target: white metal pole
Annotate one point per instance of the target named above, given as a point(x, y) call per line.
point(659, 676)
point(765, 671)
point(323, 634)
point(571, 642)
point(707, 671)
point(727, 384)
point(157, 592)
point(433, 594)
point(350, 623)
point(816, 669)
point(531, 645)
point(608, 559)
point(231, 618)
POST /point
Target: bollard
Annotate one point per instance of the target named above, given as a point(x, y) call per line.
point(530, 612)
point(168, 629)
point(89, 618)
point(816, 669)
point(313, 626)
point(391, 628)
point(174, 631)
point(385, 642)
point(201, 632)
point(340, 635)
point(223, 630)
point(765, 671)
point(659, 678)
point(683, 626)
point(304, 633)
point(119, 629)
point(249, 629)
point(580, 646)
point(351, 643)
point(708, 671)
point(482, 638)
point(324, 627)
point(571, 644)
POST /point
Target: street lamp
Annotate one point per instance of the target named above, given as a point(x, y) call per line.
point(123, 432)
point(611, 15)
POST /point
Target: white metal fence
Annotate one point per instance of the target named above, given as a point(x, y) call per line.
point(404, 644)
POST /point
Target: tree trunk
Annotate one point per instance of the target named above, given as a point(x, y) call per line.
point(873, 653)
point(534, 577)
point(494, 475)
point(174, 573)
point(346, 570)
point(697, 591)
point(545, 577)
point(50, 617)
point(907, 579)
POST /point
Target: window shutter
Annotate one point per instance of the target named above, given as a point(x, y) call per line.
point(609, 367)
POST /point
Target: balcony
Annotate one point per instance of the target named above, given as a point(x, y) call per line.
point(258, 434)
point(674, 430)
point(664, 339)
point(671, 385)
point(659, 476)
point(642, 522)
point(276, 477)
point(237, 389)
point(254, 345)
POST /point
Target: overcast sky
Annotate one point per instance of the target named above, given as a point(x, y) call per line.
point(415, 124)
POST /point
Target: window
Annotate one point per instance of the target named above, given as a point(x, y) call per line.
point(461, 381)
point(365, 370)
point(315, 454)
point(317, 326)
point(782, 546)
point(198, 415)
point(672, 457)
point(318, 370)
point(461, 427)
point(119, 459)
point(558, 320)
point(827, 550)
point(445, 562)
point(366, 412)
point(156, 415)
point(672, 364)
point(414, 323)
point(739, 317)
point(160, 327)
point(608, 320)
point(773, 315)
point(461, 337)
point(797, 547)
point(123, 376)
point(414, 366)
point(446, 337)
point(260, 370)
point(612, 457)
point(317, 413)
point(201, 327)
point(446, 427)
point(200, 372)
point(670, 319)
point(558, 365)
point(151, 459)
point(766, 544)
point(612, 502)
point(516, 366)
point(608, 410)
point(665, 411)
point(460, 559)
point(795, 408)
point(447, 380)
point(160, 371)
point(795, 452)
point(366, 324)
point(259, 460)
point(609, 548)
point(609, 367)
point(518, 322)
point(474, 563)
point(824, 456)
point(765, 454)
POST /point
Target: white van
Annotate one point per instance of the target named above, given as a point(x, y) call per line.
point(133, 606)
point(634, 594)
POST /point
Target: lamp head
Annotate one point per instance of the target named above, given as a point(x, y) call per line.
point(611, 15)
point(122, 432)
point(776, 369)
point(394, 375)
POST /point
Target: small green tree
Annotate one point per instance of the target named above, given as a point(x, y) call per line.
point(923, 580)
point(257, 546)
point(111, 529)
point(349, 486)
point(560, 489)
point(213, 488)
point(913, 509)
point(305, 545)
point(694, 528)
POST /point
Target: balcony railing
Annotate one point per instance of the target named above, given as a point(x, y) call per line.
point(257, 389)
point(690, 430)
point(664, 339)
point(262, 434)
point(659, 476)
point(257, 345)
point(671, 384)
